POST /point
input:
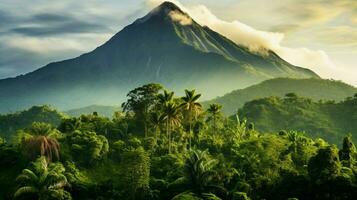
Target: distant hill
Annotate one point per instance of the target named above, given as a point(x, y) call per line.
point(158, 47)
point(315, 89)
point(328, 120)
point(106, 111)
point(10, 123)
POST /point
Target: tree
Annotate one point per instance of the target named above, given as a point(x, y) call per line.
point(156, 120)
point(192, 108)
point(325, 165)
point(294, 137)
point(199, 172)
point(172, 116)
point(41, 141)
point(165, 97)
point(135, 172)
point(40, 128)
point(140, 100)
point(87, 147)
point(45, 181)
point(215, 112)
point(291, 96)
point(348, 153)
point(69, 125)
point(41, 146)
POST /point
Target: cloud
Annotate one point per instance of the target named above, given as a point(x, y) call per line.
point(181, 18)
point(50, 24)
point(257, 40)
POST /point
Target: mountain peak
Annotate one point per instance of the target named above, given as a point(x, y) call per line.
point(167, 7)
point(170, 10)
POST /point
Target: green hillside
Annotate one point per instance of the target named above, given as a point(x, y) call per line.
point(328, 120)
point(106, 111)
point(10, 123)
point(315, 89)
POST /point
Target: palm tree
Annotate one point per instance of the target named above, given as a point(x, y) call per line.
point(165, 97)
point(192, 107)
point(156, 120)
point(172, 115)
point(199, 173)
point(41, 146)
point(40, 128)
point(46, 181)
point(215, 111)
point(294, 137)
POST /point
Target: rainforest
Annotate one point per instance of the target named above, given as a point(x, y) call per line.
point(178, 100)
point(163, 146)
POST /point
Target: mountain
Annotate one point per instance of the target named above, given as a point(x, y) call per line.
point(13, 122)
point(328, 120)
point(165, 46)
point(107, 111)
point(316, 89)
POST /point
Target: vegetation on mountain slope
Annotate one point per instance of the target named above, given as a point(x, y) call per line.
point(316, 89)
point(326, 119)
point(106, 111)
point(10, 123)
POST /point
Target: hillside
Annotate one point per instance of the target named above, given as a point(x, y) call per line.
point(328, 120)
point(316, 89)
point(106, 111)
point(10, 123)
point(156, 48)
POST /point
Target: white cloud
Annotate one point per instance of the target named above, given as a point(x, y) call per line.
point(54, 45)
point(181, 18)
point(257, 40)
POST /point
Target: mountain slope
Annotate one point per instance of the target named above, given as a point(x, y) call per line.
point(11, 123)
point(106, 111)
point(328, 120)
point(155, 48)
point(316, 89)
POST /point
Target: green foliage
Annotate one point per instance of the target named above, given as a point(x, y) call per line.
point(325, 165)
point(140, 100)
point(135, 173)
point(10, 123)
point(199, 172)
point(45, 181)
point(230, 158)
point(327, 120)
point(316, 89)
point(87, 147)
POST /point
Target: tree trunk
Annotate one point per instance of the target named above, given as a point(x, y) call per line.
point(167, 133)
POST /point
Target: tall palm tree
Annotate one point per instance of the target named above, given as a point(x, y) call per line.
point(156, 120)
point(173, 116)
point(192, 108)
point(46, 181)
point(215, 111)
point(165, 97)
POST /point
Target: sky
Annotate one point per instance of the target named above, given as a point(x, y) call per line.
point(317, 34)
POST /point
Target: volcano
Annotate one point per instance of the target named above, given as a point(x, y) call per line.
point(166, 46)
